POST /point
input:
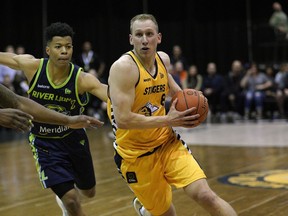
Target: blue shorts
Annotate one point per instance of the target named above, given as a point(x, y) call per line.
point(64, 159)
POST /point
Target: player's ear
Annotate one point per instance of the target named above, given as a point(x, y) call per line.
point(130, 39)
point(159, 38)
point(47, 50)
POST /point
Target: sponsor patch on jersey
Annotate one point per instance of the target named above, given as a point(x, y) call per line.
point(148, 109)
point(272, 179)
point(131, 177)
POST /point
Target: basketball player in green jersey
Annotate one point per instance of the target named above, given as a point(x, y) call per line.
point(20, 111)
point(149, 154)
point(62, 154)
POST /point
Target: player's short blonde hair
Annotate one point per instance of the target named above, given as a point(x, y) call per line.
point(144, 17)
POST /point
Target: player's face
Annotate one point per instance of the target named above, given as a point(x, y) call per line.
point(144, 37)
point(60, 50)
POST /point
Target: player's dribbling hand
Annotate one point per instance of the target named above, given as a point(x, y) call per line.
point(84, 121)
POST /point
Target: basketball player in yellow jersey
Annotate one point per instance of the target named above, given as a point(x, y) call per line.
point(149, 154)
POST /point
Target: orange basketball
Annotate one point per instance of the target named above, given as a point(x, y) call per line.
point(188, 98)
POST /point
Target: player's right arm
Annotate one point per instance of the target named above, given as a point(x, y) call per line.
point(123, 77)
point(26, 63)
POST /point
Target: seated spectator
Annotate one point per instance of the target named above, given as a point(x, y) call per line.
point(7, 71)
point(180, 71)
point(20, 81)
point(20, 49)
point(95, 106)
point(270, 107)
point(255, 83)
point(232, 98)
point(8, 83)
point(177, 55)
point(194, 79)
point(212, 89)
point(175, 75)
point(177, 80)
point(281, 80)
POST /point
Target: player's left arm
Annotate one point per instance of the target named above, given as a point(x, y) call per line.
point(40, 113)
point(89, 83)
point(45, 115)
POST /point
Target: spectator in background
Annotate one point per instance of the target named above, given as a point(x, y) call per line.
point(212, 89)
point(279, 21)
point(96, 107)
point(180, 71)
point(255, 83)
point(281, 80)
point(232, 99)
point(7, 82)
point(91, 62)
point(7, 74)
point(270, 74)
point(20, 82)
point(177, 55)
point(175, 76)
point(194, 79)
point(89, 59)
point(20, 49)
point(270, 94)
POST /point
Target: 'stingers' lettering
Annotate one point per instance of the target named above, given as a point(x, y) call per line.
point(154, 89)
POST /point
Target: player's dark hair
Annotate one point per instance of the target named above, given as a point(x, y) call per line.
point(58, 29)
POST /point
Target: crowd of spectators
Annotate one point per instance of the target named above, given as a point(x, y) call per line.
point(247, 92)
point(242, 93)
point(13, 79)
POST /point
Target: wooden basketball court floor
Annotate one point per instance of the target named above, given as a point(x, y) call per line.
point(246, 164)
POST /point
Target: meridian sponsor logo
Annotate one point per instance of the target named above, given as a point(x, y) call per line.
point(44, 130)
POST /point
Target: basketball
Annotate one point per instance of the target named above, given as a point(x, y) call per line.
point(188, 98)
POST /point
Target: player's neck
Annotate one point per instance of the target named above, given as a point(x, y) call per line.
point(58, 75)
point(148, 64)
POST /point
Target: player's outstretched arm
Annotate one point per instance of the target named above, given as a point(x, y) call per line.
point(45, 115)
point(83, 121)
point(15, 118)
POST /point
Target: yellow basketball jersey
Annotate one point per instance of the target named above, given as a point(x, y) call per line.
point(150, 94)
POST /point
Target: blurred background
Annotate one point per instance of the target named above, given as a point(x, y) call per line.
point(210, 35)
point(219, 31)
